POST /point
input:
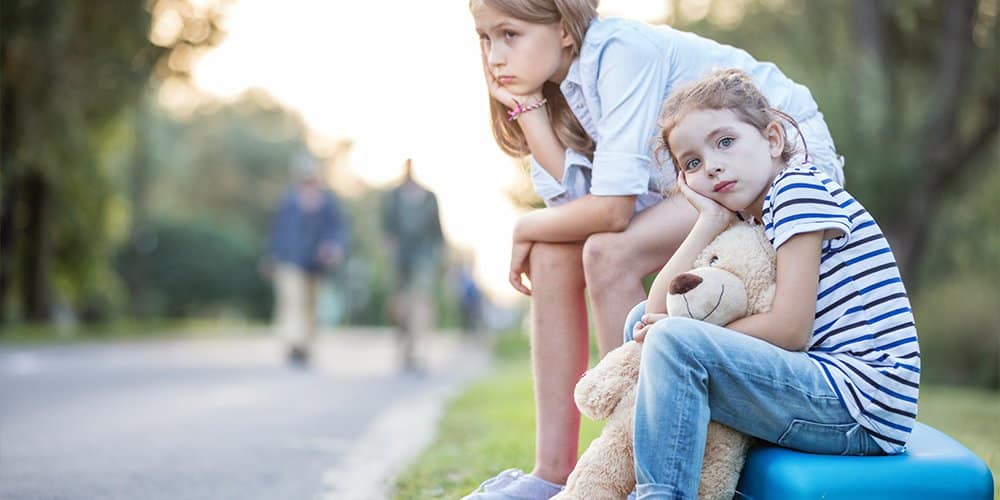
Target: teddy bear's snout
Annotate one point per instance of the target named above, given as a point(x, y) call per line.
point(684, 283)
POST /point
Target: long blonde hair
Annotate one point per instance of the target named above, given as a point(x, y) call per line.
point(575, 16)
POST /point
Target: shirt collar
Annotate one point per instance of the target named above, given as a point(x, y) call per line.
point(573, 76)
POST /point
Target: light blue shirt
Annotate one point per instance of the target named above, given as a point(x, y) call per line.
point(616, 88)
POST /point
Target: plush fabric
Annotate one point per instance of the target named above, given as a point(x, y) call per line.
point(733, 277)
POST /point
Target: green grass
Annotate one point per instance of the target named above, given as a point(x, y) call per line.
point(971, 416)
point(490, 427)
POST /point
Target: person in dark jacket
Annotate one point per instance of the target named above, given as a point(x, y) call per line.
point(412, 227)
point(308, 239)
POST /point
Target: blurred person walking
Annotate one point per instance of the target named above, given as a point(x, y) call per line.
point(412, 227)
point(309, 237)
point(470, 301)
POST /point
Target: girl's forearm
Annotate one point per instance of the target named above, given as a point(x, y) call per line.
point(576, 220)
point(773, 328)
point(703, 232)
point(789, 323)
point(542, 141)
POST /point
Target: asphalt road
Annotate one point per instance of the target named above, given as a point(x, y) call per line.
point(219, 419)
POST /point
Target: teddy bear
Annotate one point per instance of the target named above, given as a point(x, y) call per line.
point(732, 277)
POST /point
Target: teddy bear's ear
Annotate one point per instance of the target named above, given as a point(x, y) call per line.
point(762, 234)
point(709, 253)
point(760, 283)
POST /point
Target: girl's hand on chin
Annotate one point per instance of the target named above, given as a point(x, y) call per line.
point(708, 209)
point(501, 93)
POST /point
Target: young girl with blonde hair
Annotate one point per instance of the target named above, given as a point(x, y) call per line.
point(580, 96)
point(833, 367)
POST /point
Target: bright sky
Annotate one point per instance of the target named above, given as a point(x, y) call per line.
point(401, 79)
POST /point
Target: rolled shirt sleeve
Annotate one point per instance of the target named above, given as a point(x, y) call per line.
point(575, 180)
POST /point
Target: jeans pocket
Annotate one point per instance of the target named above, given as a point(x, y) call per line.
point(861, 443)
point(816, 437)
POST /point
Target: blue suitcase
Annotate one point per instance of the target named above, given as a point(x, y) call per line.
point(935, 466)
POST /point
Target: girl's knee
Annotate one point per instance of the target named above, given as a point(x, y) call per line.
point(674, 336)
point(547, 259)
point(664, 349)
point(606, 254)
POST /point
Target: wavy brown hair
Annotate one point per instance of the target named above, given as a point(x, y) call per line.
point(575, 16)
point(729, 89)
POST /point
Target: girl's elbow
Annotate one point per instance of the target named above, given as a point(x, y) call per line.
point(618, 223)
point(797, 340)
point(793, 327)
point(618, 216)
point(611, 213)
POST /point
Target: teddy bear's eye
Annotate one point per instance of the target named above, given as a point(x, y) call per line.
point(713, 260)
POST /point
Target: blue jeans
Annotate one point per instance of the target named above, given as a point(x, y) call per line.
point(693, 371)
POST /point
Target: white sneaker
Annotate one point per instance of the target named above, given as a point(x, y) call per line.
point(514, 484)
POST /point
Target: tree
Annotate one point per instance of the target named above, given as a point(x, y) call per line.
point(961, 114)
point(71, 81)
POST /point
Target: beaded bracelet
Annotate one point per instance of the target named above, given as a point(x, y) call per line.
point(512, 114)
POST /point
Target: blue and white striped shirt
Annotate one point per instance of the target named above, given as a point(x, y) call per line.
point(864, 338)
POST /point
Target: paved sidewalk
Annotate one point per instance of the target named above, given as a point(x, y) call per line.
point(221, 417)
point(403, 430)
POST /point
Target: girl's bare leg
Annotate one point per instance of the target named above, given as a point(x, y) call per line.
point(559, 348)
point(616, 263)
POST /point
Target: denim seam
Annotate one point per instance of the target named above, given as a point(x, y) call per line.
point(675, 465)
point(757, 378)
